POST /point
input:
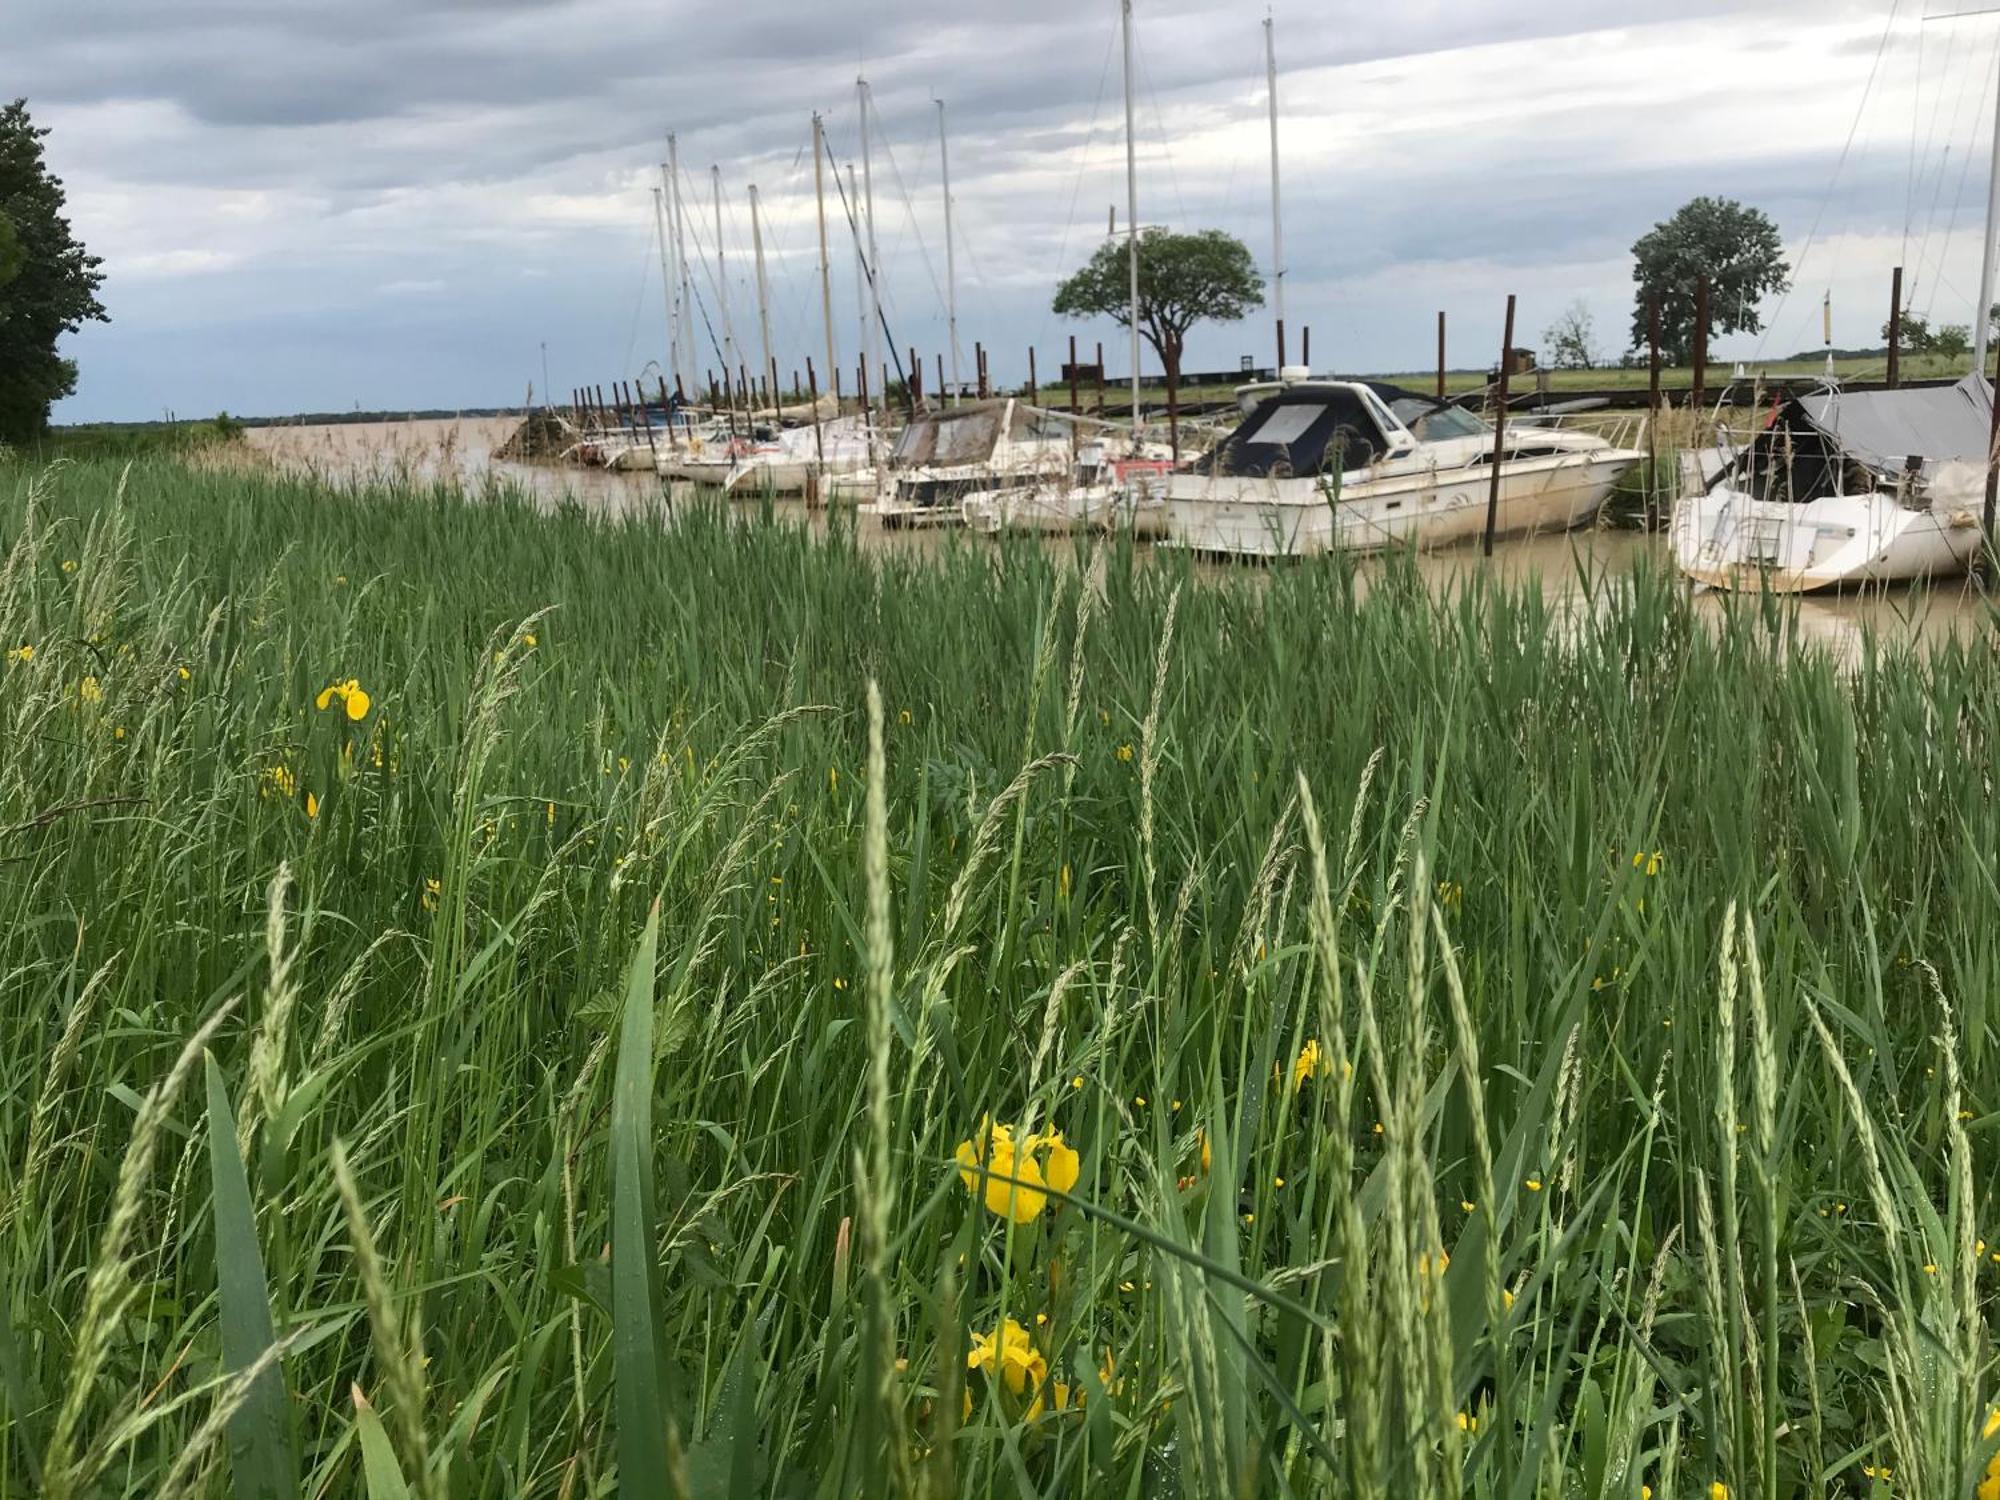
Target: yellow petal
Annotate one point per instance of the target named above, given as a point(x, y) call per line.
point(312, 805)
point(357, 704)
point(1014, 1185)
point(1307, 1064)
point(1062, 1163)
point(325, 697)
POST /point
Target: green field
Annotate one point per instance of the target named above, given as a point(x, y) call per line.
point(496, 1003)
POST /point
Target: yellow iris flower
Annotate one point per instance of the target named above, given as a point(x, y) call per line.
point(1013, 1179)
point(352, 695)
point(1307, 1064)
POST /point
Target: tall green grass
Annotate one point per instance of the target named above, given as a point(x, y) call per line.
point(1504, 1053)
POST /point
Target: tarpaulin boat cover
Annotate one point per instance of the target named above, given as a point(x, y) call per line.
point(1884, 429)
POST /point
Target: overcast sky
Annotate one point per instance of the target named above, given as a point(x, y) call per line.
point(397, 203)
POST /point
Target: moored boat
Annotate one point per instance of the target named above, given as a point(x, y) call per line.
point(1845, 488)
point(1323, 464)
point(1103, 490)
point(981, 447)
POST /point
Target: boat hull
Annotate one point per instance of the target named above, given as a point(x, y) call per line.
point(1053, 509)
point(1730, 540)
point(1425, 509)
point(786, 476)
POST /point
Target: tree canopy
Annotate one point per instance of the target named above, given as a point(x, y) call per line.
point(48, 283)
point(1736, 247)
point(1183, 279)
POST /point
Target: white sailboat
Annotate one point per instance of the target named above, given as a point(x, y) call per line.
point(1850, 488)
point(1318, 465)
point(1845, 488)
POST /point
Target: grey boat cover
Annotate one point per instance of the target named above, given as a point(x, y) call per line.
point(1883, 429)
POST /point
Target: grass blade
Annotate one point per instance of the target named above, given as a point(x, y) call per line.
point(642, 1413)
point(262, 1462)
point(379, 1468)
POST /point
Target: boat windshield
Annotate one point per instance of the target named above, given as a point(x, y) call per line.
point(956, 437)
point(1430, 422)
point(1300, 433)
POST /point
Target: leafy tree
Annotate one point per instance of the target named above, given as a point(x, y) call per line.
point(48, 284)
point(1914, 334)
point(11, 253)
point(1735, 247)
point(1183, 278)
point(1570, 337)
point(1952, 341)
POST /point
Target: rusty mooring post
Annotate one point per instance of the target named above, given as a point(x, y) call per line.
point(1499, 432)
point(1652, 407)
point(1698, 399)
point(1034, 386)
point(1075, 405)
point(1895, 326)
point(819, 434)
point(1440, 354)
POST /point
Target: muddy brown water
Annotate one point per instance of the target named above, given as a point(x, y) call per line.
point(460, 450)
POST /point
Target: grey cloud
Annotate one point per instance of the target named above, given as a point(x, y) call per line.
point(395, 138)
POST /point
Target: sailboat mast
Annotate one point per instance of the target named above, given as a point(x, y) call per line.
point(666, 272)
point(1131, 210)
point(1982, 314)
point(874, 258)
point(950, 259)
point(722, 294)
point(860, 279)
point(687, 365)
point(770, 366)
point(1277, 222)
point(825, 267)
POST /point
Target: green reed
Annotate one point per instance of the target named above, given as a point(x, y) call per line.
point(1509, 1046)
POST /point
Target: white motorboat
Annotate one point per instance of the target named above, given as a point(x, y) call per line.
point(981, 447)
point(1845, 488)
point(1104, 490)
point(1319, 464)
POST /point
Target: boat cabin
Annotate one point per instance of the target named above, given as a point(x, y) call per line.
point(1302, 428)
point(979, 432)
